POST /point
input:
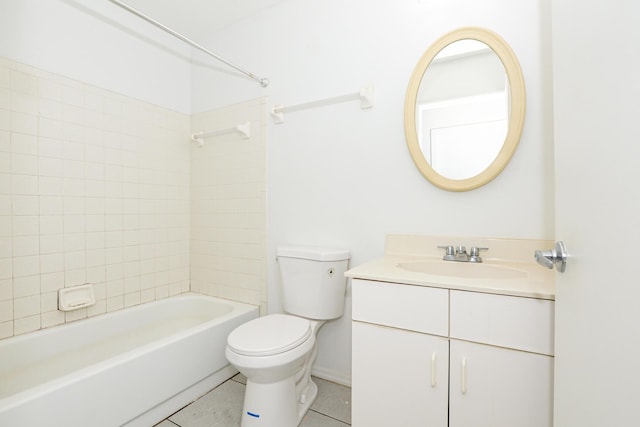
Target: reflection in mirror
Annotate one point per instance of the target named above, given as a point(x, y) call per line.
point(462, 109)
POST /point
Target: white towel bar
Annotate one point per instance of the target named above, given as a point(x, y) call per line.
point(244, 129)
point(365, 96)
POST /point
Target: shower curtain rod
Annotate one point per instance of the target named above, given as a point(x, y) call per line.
point(264, 82)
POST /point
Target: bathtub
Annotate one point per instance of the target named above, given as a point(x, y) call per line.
point(132, 367)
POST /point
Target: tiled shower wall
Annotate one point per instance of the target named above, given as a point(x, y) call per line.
point(228, 205)
point(94, 187)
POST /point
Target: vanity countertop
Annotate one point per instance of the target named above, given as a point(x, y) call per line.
point(515, 276)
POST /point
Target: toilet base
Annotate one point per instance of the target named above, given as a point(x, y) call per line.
point(276, 404)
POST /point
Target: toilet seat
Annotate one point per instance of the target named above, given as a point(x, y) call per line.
point(269, 335)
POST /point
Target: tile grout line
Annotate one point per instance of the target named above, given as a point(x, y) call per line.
point(329, 416)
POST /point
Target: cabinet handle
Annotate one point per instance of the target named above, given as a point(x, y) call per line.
point(433, 370)
point(464, 375)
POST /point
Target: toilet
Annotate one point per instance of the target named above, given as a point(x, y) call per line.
point(276, 352)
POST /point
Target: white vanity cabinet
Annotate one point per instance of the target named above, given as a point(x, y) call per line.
point(426, 356)
point(400, 355)
point(501, 360)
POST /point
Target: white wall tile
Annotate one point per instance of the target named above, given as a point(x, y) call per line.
point(96, 257)
point(87, 193)
point(5, 162)
point(50, 129)
point(50, 167)
point(6, 247)
point(51, 282)
point(50, 147)
point(26, 266)
point(51, 318)
point(96, 275)
point(74, 242)
point(72, 131)
point(24, 205)
point(25, 164)
point(50, 224)
point(73, 150)
point(26, 324)
point(5, 184)
point(6, 310)
point(50, 109)
point(115, 303)
point(51, 243)
point(74, 223)
point(75, 277)
point(24, 144)
point(26, 306)
point(5, 120)
point(26, 245)
point(49, 186)
point(5, 141)
point(48, 302)
point(6, 268)
point(24, 123)
point(51, 205)
point(6, 289)
point(73, 169)
point(26, 286)
point(75, 260)
point(51, 263)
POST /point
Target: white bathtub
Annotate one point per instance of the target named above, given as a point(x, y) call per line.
point(132, 367)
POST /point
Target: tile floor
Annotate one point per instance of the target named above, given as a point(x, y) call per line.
point(222, 407)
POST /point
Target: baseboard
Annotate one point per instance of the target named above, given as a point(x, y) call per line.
point(333, 376)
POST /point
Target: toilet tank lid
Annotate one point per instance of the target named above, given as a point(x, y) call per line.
point(313, 253)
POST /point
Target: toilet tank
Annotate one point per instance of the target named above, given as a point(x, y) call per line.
point(313, 282)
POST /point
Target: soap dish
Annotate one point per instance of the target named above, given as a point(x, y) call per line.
point(76, 297)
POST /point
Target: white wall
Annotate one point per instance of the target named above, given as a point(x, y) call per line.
point(341, 176)
point(93, 41)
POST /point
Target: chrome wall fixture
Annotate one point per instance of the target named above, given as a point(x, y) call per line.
point(264, 82)
point(554, 257)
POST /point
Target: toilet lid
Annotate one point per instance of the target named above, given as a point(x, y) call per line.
point(269, 335)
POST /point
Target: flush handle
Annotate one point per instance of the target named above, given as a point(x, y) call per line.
point(554, 257)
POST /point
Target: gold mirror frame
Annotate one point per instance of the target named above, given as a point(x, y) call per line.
point(516, 109)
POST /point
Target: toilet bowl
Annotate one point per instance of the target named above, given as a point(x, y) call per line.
point(276, 352)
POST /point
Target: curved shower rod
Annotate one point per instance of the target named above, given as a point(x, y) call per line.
point(264, 82)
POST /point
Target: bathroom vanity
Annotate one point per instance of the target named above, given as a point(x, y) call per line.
point(446, 343)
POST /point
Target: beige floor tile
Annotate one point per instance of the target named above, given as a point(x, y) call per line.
point(314, 419)
point(221, 407)
point(333, 400)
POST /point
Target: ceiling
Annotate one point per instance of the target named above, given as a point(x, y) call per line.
point(195, 18)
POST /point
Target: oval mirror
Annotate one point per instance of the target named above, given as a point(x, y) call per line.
point(464, 109)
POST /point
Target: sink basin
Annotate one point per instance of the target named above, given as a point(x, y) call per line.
point(467, 270)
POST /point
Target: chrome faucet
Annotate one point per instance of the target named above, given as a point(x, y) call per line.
point(460, 254)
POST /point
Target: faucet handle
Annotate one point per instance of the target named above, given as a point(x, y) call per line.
point(474, 253)
point(449, 252)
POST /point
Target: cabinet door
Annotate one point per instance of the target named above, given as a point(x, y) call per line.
point(399, 378)
point(497, 387)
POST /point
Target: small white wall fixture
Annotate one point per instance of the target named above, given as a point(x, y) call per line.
point(364, 95)
point(244, 129)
